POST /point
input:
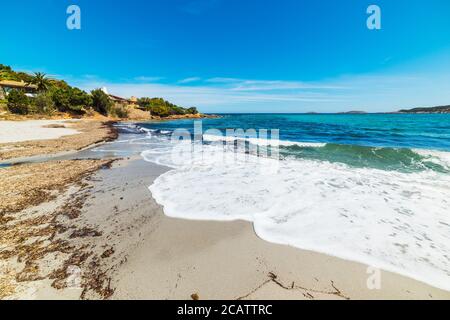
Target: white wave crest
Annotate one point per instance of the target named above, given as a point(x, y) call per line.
point(261, 141)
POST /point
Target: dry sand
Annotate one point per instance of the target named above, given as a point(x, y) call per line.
point(35, 244)
point(17, 131)
point(50, 136)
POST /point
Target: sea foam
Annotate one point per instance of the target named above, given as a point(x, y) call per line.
point(260, 141)
point(392, 220)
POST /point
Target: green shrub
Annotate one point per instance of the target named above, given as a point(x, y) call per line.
point(192, 110)
point(43, 104)
point(61, 99)
point(80, 98)
point(101, 102)
point(163, 108)
point(18, 102)
point(144, 103)
point(177, 110)
point(119, 111)
point(68, 99)
point(160, 111)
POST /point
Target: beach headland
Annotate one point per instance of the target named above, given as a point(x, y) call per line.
point(90, 229)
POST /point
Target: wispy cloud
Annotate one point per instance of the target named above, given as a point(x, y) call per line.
point(220, 98)
point(270, 85)
point(190, 80)
point(385, 91)
point(148, 79)
point(223, 80)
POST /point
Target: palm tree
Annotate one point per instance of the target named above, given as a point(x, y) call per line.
point(41, 81)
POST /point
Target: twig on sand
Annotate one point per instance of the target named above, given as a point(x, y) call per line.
point(274, 278)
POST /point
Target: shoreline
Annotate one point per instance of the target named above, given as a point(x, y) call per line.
point(67, 117)
point(139, 253)
point(227, 260)
point(107, 223)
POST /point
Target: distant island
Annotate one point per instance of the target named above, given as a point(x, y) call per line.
point(440, 109)
point(353, 112)
point(424, 110)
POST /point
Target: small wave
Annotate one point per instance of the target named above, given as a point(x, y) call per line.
point(131, 128)
point(261, 142)
point(440, 158)
point(401, 159)
point(383, 158)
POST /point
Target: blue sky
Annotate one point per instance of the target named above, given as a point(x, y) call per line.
point(241, 55)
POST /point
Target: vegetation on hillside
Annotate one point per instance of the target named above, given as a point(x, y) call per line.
point(52, 95)
point(55, 95)
point(6, 73)
point(18, 102)
point(41, 81)
point(101, 102)
point(162, 108)
point(440, 109)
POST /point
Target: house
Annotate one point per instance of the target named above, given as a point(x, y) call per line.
point(123, 101)
point(7, 85)
point(119, 100)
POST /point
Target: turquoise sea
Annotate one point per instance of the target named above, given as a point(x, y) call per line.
point(384, 141)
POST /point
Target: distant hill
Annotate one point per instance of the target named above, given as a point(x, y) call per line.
point(440, 109)
point(353, 112)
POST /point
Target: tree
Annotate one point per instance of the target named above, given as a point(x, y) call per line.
point(44, 104)
point(5, 68)
point(163, 108)
point(101, 102)
point(174, 109)
point(192, 110)
point(160, 111)
point(144, 103)
point(79, 98)
point(61, 98)
point(68, 99)
point(41, 81)
point(18, 102)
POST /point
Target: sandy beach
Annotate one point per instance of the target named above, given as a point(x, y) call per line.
point(271, 151)
point(16, 131)
point(95, 232)
point(46, 137)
